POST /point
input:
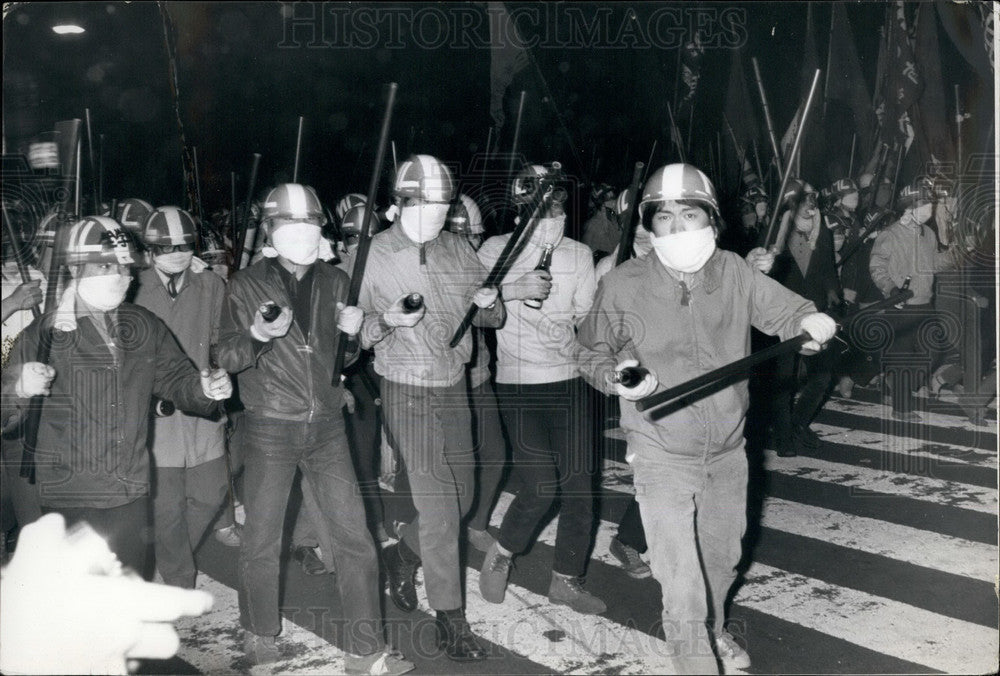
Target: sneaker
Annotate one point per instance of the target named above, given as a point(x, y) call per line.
point(906, 416)
point(493, 575)
point(730, 653)
point(568, 591)
point(260, 649)
point(480, 539)
point(387, 662)
point(311, 563)
point(845, 386)
point(628, 557)
point(231, 536)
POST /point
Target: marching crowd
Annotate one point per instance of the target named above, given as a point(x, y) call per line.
point(159, 388)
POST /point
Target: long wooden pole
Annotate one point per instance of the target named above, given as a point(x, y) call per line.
point(767, 116)
point(298, 151)
point(93, 164)
point(364, 242)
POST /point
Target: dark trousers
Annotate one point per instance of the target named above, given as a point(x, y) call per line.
point(126, 529)
point(907, 357)
point(186, 500)
point(432, 427)
point(630, 530)
point(551, 432)
point(274, 450)
point(363, 431)
point(819, 373)
point(18, 496)
point(491, 452)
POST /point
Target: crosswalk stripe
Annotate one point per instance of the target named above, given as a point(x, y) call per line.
point(889, 627)
point(213, 642)
point(902, 543)
point(905, 445)
point(617, 476)
point(929, 412)
point(984, 438)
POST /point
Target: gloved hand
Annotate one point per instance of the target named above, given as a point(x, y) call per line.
point(68, 591)
point(350, 402)
point(485, 297)
point(349, 319)
point(26, 296)
point(821, 328)
point(645, 388)
point(397, 315)
point(216, 384)
point(761, 259)
point(535, 284)
point(850, 295)
point(35, 380)
point(265, 331)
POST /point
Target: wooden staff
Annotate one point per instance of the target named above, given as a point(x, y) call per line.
point(649, 162)
point(100, 174)
point(675, 134)
point(364, 242)
point(628, 230)
point(517, 136)
point(767, 116)
point(298, 151)
point(850, 166)
point(241, 242)
point(791, 158)
point(742, 366)
point(197, 196)
point(518, 238)
point(93, 168)
point(232, 208)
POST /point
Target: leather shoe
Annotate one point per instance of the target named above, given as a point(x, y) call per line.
point(401, 570)
point(456, 639)
point(785, 447)
point(802, 435)
point(311, 564)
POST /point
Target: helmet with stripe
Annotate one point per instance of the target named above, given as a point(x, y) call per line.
point(424, 177)
point(794, 188)
point(464, 217)
point(348, 202)
point(754, 194)
point(169, 226)
point(350, 225)
point(99, 239)
point(919, 192)
point(679, 182)
point(841, 187)
point(293, 202)
point(522, 190)
point(132, 214)
point(622, 203)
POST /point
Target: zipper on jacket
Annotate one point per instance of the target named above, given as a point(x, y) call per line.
point(685, 295)
point(423, 253)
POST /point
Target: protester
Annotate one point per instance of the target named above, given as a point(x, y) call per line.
point(690, 469)
point(424, 396)
point(107, 361)
point(293, 401)
point(544, 403)
point(190, 483)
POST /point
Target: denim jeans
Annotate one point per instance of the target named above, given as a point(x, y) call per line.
point(432, 427)
point(550, 429)
point(694, 513)
point(274, 449)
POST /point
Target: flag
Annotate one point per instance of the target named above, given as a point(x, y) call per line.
point(930, 114)
point(846, 83)
point(739, 118)
point(508, 56)
point(788, 139)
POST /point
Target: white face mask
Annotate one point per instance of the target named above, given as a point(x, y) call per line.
point(172, 263)
point(686, 251)
point(297, 242)
point(423, 222)
point(642, 244)
point(550, 230)
point(103, 292)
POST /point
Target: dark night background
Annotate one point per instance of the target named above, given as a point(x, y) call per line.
point(242, 92)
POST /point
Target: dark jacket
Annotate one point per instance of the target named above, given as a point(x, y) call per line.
point(94, 426)
point(290, 378)
point(820, 278)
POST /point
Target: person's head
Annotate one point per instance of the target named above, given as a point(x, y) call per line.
point(293, 218)
point(424, 188)
point(169, 235)
point(680, 210)
point(351, 228)
point(917, 200)
point(100, 255)
point(753, 206)
point(844, 193)
point(465, 219)
point(132, 214)
point(800, 199)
